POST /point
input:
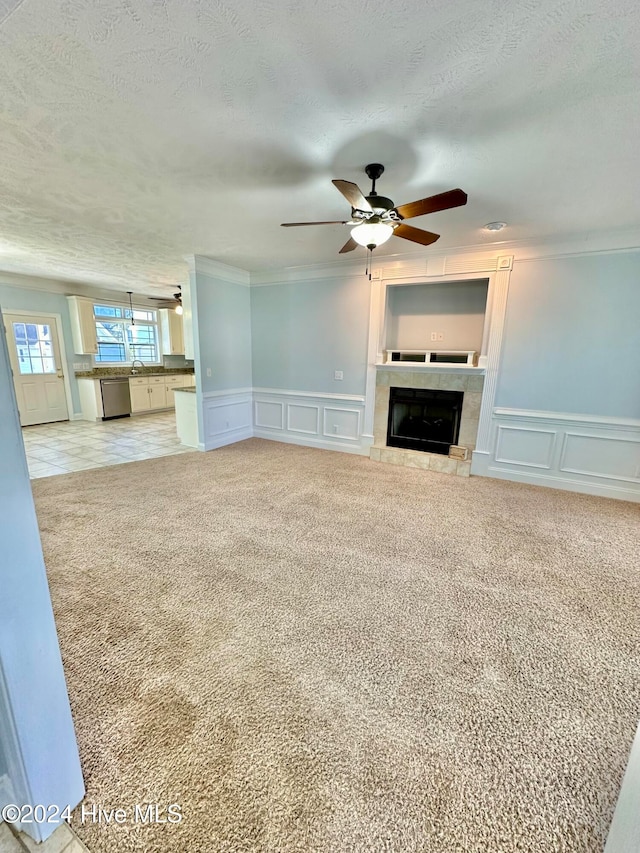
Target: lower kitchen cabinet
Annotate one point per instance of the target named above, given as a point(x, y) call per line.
point(147, 393)
point(156, 392)
point(139, 393)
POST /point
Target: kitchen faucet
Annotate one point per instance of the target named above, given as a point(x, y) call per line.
point(133, 365)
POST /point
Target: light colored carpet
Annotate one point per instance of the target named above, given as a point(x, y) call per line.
point(310, 651)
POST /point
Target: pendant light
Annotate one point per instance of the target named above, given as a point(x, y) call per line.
point(130, 292)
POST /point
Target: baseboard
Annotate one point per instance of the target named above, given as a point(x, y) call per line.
point(230, 437)
point(319, 443)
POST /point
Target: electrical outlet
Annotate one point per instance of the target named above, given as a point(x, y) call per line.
point(208, 371)
point(335, 428)
point(434, 336)
point(338, 374)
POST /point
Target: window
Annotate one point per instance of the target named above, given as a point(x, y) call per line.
point(119, 341)
point(34, 348)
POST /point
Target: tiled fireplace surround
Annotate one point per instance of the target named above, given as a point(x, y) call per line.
point(434, 379)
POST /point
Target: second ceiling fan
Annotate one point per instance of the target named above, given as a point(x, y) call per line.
point(374, 218)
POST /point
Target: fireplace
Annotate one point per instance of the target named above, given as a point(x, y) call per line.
point(424, 419)
point(463, 388)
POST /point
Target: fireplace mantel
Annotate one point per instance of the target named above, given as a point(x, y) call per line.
point(411, 367)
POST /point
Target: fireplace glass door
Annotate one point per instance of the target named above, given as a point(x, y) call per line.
point(421, 419)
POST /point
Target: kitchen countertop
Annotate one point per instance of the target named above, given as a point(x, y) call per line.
point(96, 376)
point(184, 390)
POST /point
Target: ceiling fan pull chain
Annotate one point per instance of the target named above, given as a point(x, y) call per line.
point(369, 261)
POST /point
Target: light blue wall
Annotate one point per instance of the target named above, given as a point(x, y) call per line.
point(304, 331)
point(572, 339)
point(35, 723)
point(453, 309)
point(224, 333)
point(21, 298)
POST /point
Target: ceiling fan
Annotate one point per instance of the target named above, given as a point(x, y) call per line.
point(375, 218)
point(175, 303)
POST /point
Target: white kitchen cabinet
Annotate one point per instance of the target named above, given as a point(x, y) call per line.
point(187, 418)
point(172, 332)
point(157, 392)
point(139, 393)
point(83, 325)
point(90, 399)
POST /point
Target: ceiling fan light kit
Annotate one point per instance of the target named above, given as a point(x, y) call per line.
point(371, 234)
point(375, 218)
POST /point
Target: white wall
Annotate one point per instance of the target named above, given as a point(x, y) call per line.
point(455, 309)
point(36, 729)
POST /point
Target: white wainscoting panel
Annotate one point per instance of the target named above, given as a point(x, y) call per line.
point(581, 453)
point(269, 414)
point(227, 418)
point(303, 418)
point(333, 422)
point(617, 458)
point(525, 446)
point(345, 423)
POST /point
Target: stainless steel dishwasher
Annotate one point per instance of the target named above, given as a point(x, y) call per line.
point(116, 400)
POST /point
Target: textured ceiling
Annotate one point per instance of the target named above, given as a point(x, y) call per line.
point(135, 132)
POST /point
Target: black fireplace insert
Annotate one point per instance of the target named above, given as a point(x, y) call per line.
point(421, 419)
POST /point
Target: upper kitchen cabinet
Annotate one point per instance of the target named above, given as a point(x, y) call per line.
point(172, 332)
point(83, 325)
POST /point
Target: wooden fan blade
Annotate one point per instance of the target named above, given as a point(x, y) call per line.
point(416, 235)
point(353, 195)
point(443, 201)
point(349, 246)
point(296, 224)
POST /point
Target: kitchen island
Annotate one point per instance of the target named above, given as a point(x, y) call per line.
point(186, 416)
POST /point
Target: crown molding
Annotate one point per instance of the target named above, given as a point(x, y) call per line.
point(216, 269)
point(627, 240)
point(70, 288)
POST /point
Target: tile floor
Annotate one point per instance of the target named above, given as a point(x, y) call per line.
point(67, 446)
point(63, 840)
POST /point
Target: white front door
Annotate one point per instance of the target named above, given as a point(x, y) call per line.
point(38, 378)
